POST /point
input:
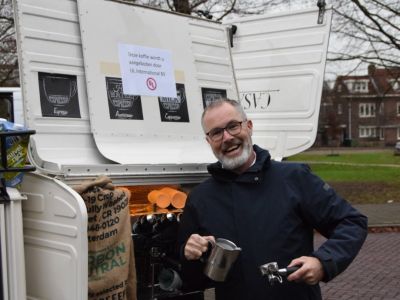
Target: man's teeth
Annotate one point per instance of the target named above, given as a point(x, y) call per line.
point(232, 148)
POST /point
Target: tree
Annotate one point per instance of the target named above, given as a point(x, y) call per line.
point(366, 32)
point(9, 75)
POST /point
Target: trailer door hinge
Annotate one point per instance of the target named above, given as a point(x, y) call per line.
point(321, 5)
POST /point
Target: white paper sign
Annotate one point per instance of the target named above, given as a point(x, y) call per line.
point(146, 71)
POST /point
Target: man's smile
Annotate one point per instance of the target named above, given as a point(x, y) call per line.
point(231, 148)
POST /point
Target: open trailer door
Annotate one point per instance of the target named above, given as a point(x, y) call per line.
point(152, 51)
point(279, 61)
point(55, 239)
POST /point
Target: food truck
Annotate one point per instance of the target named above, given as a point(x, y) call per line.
point(117, 89)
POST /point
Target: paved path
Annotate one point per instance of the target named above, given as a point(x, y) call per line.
point(373, 275)
point(381, 214)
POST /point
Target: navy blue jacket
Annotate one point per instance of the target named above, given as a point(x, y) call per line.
point(270, 211)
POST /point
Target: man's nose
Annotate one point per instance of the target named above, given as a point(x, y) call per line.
point(226, 135)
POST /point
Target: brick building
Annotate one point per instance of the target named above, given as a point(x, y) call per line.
point(361, 110)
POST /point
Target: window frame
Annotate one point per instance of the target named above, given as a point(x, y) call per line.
point(357, 85)
point(367, 132)
point(367, 110)
point(395, 84)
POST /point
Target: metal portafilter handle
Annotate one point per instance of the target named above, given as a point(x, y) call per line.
point(144, 225)
point(274, 274)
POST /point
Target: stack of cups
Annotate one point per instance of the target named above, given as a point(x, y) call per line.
point(167, 196)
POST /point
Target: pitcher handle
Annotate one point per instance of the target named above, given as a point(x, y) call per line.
point(206, 255)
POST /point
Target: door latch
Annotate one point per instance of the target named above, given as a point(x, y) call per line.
point(321, 5)
point(232, 31)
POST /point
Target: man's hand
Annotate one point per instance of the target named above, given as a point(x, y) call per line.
point(310, 272)
point(196, 245)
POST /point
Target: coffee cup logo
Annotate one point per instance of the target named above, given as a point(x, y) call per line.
point(120, 105)
point(173, 104)
point(210, 95)
point(59, 90)
point(116, 94)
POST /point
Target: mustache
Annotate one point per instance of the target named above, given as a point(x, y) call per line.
point(227, 145)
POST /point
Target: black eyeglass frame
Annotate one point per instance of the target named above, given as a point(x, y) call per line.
point(226, 128)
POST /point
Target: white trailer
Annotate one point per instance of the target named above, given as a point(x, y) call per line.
point(72, 79)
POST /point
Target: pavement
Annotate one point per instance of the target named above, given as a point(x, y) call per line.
point(381, 215)
point(375, 272)
point(373, 275)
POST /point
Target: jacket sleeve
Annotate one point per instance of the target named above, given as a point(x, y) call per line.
point(344, 227)
point(191, 271)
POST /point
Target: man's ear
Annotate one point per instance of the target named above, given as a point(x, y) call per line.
point(208, 140)
point(249, 125)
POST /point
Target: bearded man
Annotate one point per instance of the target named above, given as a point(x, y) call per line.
point(270, 210)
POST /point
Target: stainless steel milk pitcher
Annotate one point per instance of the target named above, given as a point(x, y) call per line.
point(223, 254)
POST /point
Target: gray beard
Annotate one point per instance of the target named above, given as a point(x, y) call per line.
point(237, 162)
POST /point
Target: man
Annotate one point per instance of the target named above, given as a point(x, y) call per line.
point(269, 209)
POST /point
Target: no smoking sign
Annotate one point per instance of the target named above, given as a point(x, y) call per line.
point(146, 71)
point(151, 83)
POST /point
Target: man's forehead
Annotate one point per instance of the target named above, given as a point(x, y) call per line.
point(221, 115)
point(224, 109)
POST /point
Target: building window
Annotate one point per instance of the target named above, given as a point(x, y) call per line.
point(367, 131)
point(398, 108)
point(394, 83)
point(382, 108)
point(339, 109)
point(357, 86)
point(398, 133)
point(361, 86)
point(366, 110)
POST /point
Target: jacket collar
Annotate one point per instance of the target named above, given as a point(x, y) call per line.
point(254, 173)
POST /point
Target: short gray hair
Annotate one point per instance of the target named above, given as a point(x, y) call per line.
point(221, 101)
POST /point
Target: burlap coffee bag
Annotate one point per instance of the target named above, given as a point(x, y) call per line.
point(112, 273)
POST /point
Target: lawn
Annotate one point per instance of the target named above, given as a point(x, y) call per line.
point(359, 177)
point(356, 173)
point(377, 157)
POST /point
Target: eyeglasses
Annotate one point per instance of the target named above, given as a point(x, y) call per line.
point(233, 128)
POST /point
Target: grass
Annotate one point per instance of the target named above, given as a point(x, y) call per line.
point(381, 157)
point(360, 177)
point(354, 173)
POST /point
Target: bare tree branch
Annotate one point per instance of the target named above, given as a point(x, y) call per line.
point(387, 7)
point(170, 6)
point(228, 11)
point(368, 32)
point(196, 4)
point(367, 13)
